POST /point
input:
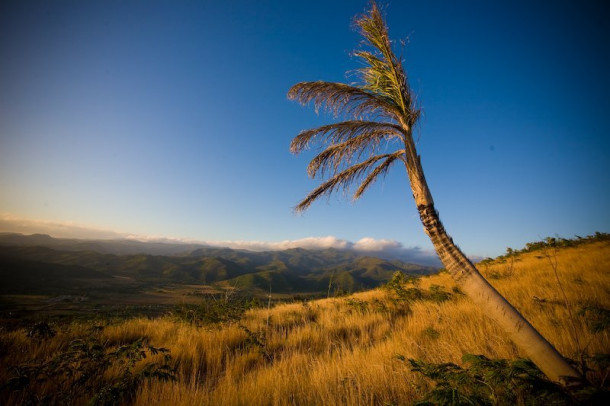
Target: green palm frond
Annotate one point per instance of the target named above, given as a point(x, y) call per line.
point(376, 76)
point(373, 29)
point(340, 132)
point(342, 180)
point(383, 73)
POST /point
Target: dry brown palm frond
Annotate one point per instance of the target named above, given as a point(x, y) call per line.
point(345, 153)
point(341, 180)
point(380, 170)
point(340, 132)
point(342, 99)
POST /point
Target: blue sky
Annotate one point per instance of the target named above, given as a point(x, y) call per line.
point(171, 118)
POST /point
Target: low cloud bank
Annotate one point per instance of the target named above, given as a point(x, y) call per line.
point(387, 249)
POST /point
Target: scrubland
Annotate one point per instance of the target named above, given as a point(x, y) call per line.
point(339, 350)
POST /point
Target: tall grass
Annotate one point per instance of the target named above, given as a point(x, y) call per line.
point(344, 350)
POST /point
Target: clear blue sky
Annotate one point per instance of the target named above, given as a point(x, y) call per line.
point(171, 118)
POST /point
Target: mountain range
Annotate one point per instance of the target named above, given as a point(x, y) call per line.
point(39, 263)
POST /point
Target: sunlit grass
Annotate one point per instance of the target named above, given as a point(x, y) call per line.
point(343, 350)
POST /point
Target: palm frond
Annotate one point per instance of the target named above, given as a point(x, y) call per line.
point(343, 154)
point(380, 170)
point(341, 180)
point(374, 30)
point(342, 99)
point(383, 73)
point(340, 132)
point(350, 149)
point(377, 76)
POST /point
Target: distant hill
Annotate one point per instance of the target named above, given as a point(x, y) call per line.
point(119, 246)
point(40, 258)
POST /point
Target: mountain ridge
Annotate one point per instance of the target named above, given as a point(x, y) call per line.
point(295, 270)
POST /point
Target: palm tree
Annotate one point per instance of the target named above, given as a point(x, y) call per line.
point(381, 112)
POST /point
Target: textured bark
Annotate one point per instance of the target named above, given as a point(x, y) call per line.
point(495, 306)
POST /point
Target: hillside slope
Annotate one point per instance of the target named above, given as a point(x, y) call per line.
point(350, 350)
point(344, 350)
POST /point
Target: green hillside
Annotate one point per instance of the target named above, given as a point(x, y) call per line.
point(290, 271)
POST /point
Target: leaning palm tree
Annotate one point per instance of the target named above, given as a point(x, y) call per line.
point(381, 112)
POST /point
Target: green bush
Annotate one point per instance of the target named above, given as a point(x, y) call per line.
point(485, 381)
point(215, 310)
point(397, 285)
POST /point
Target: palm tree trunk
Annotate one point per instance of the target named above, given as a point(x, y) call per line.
point(523, 334)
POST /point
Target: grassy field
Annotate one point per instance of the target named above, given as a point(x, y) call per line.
point(343, 350)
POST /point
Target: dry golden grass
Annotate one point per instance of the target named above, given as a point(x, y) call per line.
point(343, 350)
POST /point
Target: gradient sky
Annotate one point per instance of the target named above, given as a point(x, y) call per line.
point(171, 118)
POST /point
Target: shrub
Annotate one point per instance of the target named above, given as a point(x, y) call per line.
point(359, 305)
point(597, 317)
point(485, 381)
point(215, 310)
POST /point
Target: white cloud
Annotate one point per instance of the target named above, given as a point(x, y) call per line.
point(307, 243)
point(388, 249)
point(371, 244)
point(158, 238)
